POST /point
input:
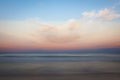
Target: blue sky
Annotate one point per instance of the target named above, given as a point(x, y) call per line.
point(49, 10)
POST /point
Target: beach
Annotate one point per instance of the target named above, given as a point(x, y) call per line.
point(60, 70)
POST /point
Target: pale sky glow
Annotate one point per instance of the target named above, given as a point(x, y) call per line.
point(59, 24)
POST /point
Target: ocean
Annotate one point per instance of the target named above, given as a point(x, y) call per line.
point(23, 57)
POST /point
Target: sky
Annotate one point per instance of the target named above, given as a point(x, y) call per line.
point(59, 24)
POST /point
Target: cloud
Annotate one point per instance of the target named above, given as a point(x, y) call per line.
point(107, 14)
point(59, 33)
point(103, 14)
point(89, 14)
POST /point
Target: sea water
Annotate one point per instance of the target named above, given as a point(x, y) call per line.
point(23, 57)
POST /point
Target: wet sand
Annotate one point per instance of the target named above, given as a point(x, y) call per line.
point(95, 76)
point(78, 70)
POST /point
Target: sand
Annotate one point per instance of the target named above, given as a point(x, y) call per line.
point(78, 70)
